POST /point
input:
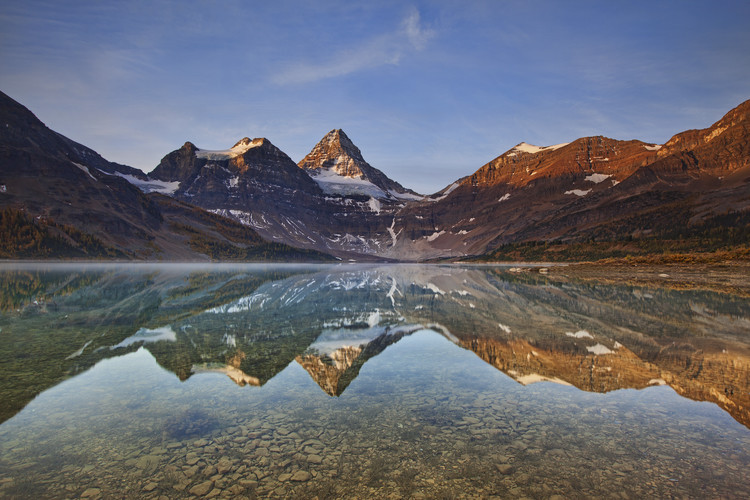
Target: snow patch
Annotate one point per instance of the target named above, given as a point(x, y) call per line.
point(503, 327)
point(392, 232)
point(504, 197)
point(333, 183)
point(580, 334)
point(238, 376)
point(653, 147)
point(374, 205)
point(525, 147)
point(373, 319)
point(434, 235)
point(393, 290)
point(578, 192)
point(432, 287)
point(79, 351)
point(151, 186)
point(84, 168)
point(535, 377)
point(599, 349)
point(448, 191)
point(406, 196)
point(597, 178)
point(218, 155)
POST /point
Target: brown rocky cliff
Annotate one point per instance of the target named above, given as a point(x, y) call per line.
point(336, 152)
point(720, 149)
point(180, 164)
point(584, 156)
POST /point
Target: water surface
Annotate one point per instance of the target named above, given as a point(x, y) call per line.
point(366, 381)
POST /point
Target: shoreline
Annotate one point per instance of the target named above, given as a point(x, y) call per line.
point(727, 277)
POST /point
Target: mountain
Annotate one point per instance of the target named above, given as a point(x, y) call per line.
point(338, 167)
point(59, 198)
point(510, 196)
point(336, 203)
point(591, 198)
point(594, 197)
point(248, 170)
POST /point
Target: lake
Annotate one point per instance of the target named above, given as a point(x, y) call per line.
point(367, 381)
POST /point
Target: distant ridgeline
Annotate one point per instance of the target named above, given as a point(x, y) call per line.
point(589, 199)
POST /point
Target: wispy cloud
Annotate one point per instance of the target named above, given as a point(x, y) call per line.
point(389, 48)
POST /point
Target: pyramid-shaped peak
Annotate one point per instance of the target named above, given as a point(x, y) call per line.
point(338, 167)
point(337, 135)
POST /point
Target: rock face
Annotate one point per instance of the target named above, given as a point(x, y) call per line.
point(599, 157)
point(233, 177)
point(593, 189)
point(51, 178)
point(339, 168)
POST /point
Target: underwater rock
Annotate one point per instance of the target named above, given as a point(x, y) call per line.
point(202, 488)
point(301, 476)
point(504, 468)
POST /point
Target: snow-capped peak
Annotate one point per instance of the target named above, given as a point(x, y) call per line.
point(238, 149)
point(338, 167)
point(525, 147)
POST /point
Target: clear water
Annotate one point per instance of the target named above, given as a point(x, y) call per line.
point(367, 382)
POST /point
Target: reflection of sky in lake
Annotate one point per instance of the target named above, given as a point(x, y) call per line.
point(437, 411)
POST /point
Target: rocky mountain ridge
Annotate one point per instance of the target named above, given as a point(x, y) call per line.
point(60, 199)
point(592, 189)
point(621, 197)
point(255, 183)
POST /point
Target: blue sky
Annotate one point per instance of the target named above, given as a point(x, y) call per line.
point(429, 90)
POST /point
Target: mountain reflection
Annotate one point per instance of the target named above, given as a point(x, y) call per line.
point(252, 323)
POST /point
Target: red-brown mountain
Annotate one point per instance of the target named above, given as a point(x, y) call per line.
point(594, 190)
